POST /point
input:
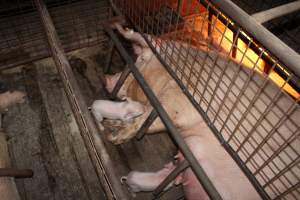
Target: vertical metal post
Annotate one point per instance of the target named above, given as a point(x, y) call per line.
point(235, 43)
point(210, 17)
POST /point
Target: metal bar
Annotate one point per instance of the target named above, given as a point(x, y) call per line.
point(282, 51)
point(16, 173)
point(235, 43)
point(210, 18)
point(95, 146)
point(198, 170)
point(107, 63)
point(273, 13)
point(181, 167)
point(142, 131)
point(120, 82)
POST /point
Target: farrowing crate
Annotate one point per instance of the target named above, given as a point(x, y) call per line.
point(263, 140)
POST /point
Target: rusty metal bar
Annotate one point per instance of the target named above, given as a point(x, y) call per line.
point(16, 173)
point(180, 168)
point(95, 146)
point(142, 131)
point(120, 82)
point(107, 63)
point(279, 11)
point(197, 169)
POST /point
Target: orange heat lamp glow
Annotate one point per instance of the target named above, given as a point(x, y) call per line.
point(223, 37)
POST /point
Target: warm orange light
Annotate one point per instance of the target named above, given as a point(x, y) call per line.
point(223, 37)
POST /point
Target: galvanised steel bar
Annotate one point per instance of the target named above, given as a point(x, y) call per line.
point(197, 169)
point(180, 168)
point(142, 131)
point(16, 173)
point(278, 48)
point(95, 146)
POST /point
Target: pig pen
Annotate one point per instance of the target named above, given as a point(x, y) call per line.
point(69, 157)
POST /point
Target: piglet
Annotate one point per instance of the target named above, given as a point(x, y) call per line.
point(147, 181)
point(124, 110)
point(9, 98)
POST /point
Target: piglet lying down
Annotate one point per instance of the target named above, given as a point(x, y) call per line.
point(124, 110)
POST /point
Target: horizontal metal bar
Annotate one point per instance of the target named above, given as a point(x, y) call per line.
point(283, 52)
point(94, 144)
point(198, 170)
point(16, 173)
point(273, 13)
point(142, 131)
point(180, 168)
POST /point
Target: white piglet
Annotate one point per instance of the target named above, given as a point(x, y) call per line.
point(147, 181)
point(124, 110)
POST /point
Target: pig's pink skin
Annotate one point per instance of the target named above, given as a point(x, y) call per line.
point(191, 186)
point(223, 172)
point(111, 81)
point(147, 181)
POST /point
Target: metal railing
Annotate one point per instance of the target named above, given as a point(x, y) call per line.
point(240, 77)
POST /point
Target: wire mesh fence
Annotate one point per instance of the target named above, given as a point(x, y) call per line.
point(247, 96)
point(78, 24)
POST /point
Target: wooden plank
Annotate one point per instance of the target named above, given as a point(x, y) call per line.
point(94, 143)
point(76, 164)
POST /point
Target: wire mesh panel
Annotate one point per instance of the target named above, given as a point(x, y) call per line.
point(78, 24)
point(247, 96)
